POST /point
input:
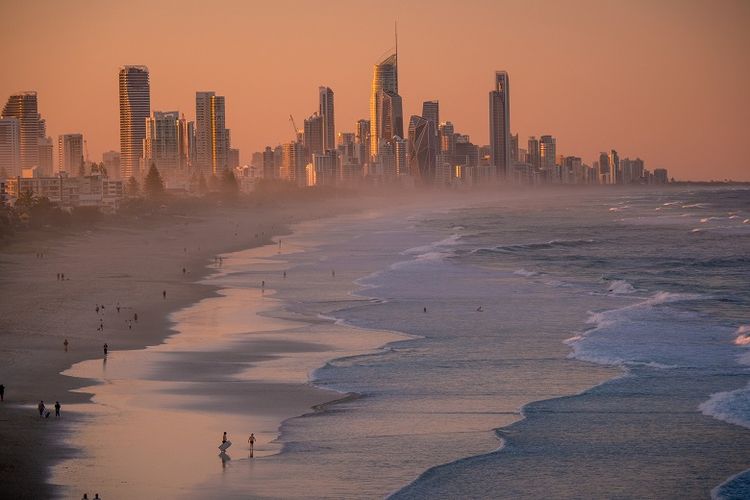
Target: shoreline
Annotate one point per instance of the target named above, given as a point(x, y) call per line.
point(24, 469)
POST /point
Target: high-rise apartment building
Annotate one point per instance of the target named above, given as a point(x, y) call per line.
point(391, 115)
point(614, 167)
point(326, 113)
point(46, 150)
point(135, 107)
point(212, 141)
point(293, 163)
point(514, 147)
point(313, 136)
point(548, 155)
point(500, 125)
point(533, 154)
point(362, 138)
point(384, 78)
point(166, 143)
point(70, 153)
point(269, 164)
point(422, 148)
point(24, 108)
point(10, 147)
point(431, 112)
point(446, 136)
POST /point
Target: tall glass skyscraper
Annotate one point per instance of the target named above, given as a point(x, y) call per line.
point(135, 107)
point(211, 136)
point(23, 107)
point(326, 112)
point(384, 79)
point(500, 125)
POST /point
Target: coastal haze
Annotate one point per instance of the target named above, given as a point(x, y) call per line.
point(418, 250)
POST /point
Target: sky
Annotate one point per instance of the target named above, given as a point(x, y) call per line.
point(663, 80)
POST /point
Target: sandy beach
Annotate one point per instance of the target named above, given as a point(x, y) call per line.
point(130, 266)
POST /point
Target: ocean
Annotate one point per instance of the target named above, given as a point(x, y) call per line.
point(622, 316)
point(551, 344)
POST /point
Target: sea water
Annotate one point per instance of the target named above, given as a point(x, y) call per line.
point(567, 345)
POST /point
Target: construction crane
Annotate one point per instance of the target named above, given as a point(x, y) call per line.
point(294, 125)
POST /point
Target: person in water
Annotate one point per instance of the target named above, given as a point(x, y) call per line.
point(251, 442)
point(40, 406)
point(57, 408)
point(224, 438)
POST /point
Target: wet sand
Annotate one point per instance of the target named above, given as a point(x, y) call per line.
point(131, 266)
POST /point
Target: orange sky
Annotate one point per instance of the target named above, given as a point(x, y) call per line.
point(664, 80)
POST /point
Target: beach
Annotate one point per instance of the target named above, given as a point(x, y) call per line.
point(130, 265)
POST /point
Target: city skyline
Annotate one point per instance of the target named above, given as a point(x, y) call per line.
point(642, 105)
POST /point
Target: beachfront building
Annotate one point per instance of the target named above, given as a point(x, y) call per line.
point(500, 125)
point(384, 79)
point(10, 147)
point(69, 153)
point(166, 144)
point(326, 112)
point(211, 135)
point(135, 107)
point(422, 149)
point(69, 192)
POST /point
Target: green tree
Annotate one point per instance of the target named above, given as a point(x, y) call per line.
point(153, 185)
point(132, 189)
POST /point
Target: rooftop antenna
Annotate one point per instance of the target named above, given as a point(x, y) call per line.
point(395, 30)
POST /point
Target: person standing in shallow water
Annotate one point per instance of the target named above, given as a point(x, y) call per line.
point(251, 442)
point(40, 407)
point(106, 349)
point(57, 408)
point(2, 392)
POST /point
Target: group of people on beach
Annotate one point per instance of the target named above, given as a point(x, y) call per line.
point(86, 497)
point(46, 414)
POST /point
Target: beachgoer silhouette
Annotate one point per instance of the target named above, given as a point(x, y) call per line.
point(62, 276)
point(135, 317)
point(425, 309)
point(97, 309)
point(251, 441)
point(40, 406)
point(164, 294)
point(97, 497)
point(57, 408)
point(118, 308)
point(2, 392)
point(224, 438)
point(106, 348)
point(85, 496)
point(183, 270)
point(65, 343)
point(284, 274)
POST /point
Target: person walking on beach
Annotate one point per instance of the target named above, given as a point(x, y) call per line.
point(40, 406)
point(2, 392)
point(164, 294)
point(106, 348)
point(85, 496)
point(57, 408)
point(135, 317)
point(251, 442)
point(65, 344)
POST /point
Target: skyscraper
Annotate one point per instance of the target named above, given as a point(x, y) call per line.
point(534, 157)
point(69, 153)
point(500, 125)
point(269, 165)
point(422, 148)
point(166, 142)
point(446, 135)
point(326, 113)
point(431, 112)
point(314, 135)
point(23, 107)
point(362, 138)
point(391, 115)
point(211, 136)
point(135, 107)
point(547, 155)
point(293, 163)
point(10, 147)
point(614, 167)
point(384, 78)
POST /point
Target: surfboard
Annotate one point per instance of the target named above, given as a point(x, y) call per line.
point(224, 446)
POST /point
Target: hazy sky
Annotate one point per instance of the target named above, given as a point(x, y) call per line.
point(664, 80)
